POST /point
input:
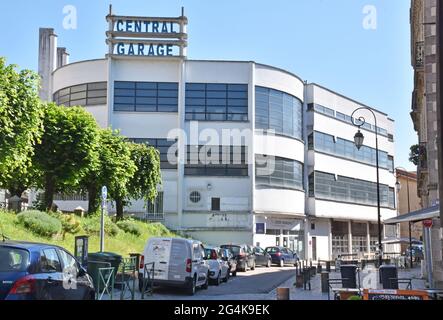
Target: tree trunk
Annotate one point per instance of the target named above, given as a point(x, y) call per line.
point(16, 190)
point(49, 192)
point(119, 207)
point(93, 204)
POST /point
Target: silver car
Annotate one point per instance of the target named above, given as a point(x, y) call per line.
point(218, 268)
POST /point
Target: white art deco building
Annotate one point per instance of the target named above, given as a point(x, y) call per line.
point(319, 199)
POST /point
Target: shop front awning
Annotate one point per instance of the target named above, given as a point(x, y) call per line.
point(416, 216)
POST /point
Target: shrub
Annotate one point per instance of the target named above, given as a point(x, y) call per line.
point(40, 223)
point(159, 230)
point(130, 226)
point(70, 223)
point(91, 225)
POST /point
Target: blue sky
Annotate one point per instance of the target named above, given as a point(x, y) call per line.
point(322, 41)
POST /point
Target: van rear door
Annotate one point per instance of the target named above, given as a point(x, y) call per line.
point(180, 253)
point(159, 252)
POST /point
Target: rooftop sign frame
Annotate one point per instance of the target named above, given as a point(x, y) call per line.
point(133, 36)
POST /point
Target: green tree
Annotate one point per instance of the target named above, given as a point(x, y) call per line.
point(20, 125)
point(115, 169)
point(147, 177)
point(67, 151)
point(414, 155)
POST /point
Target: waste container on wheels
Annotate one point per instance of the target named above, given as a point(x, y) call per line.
point(102, 260)
point(348, 274)
point(389, 276)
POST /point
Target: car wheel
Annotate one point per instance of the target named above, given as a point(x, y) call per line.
point(234, 274)
point(192, 287)
point(218, 281)
point(206, 285)
point(282, 263)
point(268, 265)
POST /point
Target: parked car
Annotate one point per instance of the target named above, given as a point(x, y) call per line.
point(177, 263)
point(262, 258)
point(218, 268)
point(34, 271)
point(282, 256)
point(227, 255)
point(243, 254)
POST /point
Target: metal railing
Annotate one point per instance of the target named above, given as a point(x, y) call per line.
point(148, 279)
point(126, 277)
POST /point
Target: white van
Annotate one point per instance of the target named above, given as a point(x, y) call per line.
point(176, 262)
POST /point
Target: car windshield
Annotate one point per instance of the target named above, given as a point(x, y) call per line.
point(272, 250)
point(234, 249)
point(13, 259)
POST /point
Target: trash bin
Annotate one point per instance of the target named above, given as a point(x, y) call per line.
point(389, 276)
point(102, 260)
point(348, 273)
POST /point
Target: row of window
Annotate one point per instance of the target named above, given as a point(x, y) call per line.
point(278, 172)
point(216, 102)
point(145, 96)
point(216, 161)
point(87, 94)
point(326, 143)
point(164, 147)
point(278, 111)
point(343, 117)
point(327, 186)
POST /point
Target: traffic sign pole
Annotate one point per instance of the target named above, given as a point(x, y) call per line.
point(102, 219)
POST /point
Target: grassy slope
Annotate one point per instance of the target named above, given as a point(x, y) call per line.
point(123, 243)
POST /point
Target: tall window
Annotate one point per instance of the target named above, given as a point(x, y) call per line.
point(154, 209)
point(278, 172)
point(216, 161)
point(87, 94)
point(278, 111)
point(146, 96)
point(163, 146)
point(345, 189)
point(216, 102)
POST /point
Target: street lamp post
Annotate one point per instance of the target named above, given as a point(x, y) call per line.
point(409, 210)
point(358, 140)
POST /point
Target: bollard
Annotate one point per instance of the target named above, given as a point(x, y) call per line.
point(328, 266)
point(299, 280)
point(283, 294)
point(310, 263)
point(319, 267)
point(325, 282)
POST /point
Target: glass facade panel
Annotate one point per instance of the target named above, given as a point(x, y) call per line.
point(217, 102)
point(87, 94)
point(146, 96)
point(278, 111)
point(350, 190)
point(216, 161)
point(347, 149)
point(279, 172)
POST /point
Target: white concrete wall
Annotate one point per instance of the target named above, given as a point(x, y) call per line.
point(279, 201)
point(234, 193)
point(279, 146)
point(321, 232)
point(267, 76)
point(338, 210)
point(80, 73)
point(217, 238)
